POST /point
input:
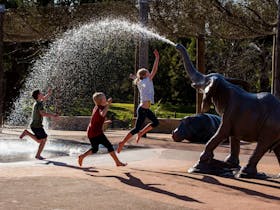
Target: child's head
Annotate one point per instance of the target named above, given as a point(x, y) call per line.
point(99, 98)
point(36, 94)
point(141, 74)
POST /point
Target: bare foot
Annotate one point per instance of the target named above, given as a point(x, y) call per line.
point(80, 160)
point(138, 137)
point(23, 134)
point(120, 147)
point(121, 164)
point(40, 157)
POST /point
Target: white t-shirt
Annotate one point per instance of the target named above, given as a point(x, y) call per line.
point(146, 90)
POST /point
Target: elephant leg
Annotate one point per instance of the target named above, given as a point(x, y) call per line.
point(233, 157)
point(212, 144)
point(251, 168)
point(276, 151)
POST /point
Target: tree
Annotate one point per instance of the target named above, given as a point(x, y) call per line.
point(249, 60)
point(232, 25)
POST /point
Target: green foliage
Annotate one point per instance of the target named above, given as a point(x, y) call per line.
point(121, 111)
point(249, 60)
point(172, 111)
point(171, 83)
point(13, 3)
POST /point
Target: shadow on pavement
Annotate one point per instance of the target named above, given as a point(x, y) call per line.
point(212, 180)
point(136, 182)
point(61, 164)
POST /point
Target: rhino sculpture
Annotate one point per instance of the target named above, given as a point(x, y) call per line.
point(197, 128)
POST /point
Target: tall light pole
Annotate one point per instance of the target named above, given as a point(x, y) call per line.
point(2, 10)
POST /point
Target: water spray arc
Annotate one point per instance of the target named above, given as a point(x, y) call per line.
point(75, 61)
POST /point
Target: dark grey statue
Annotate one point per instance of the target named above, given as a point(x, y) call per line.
point(247, 116)
point(197, 128)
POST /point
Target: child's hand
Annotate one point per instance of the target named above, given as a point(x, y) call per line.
point(49, 91)
point(55, 116)
point(109, 101)
point(156, 53)
point(132, 76)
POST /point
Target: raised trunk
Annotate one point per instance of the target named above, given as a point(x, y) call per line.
point(196, 76)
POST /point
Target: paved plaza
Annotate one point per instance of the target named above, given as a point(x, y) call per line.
point(155, 178)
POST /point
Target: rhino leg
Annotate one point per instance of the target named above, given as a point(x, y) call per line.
point(233, 157)
point(250, 170)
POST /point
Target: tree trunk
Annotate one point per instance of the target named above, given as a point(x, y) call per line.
point(2, 92)
point(200, 64)
point(143, 43)
point(143, 46)
point(277, 57)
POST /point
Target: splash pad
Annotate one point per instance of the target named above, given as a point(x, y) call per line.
point(76, 64)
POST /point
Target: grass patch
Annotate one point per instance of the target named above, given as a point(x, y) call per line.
point(122, 111)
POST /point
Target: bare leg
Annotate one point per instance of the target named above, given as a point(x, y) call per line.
point(81, 157)
point(146, 129)
point(27, 133)
point(122, 143)
point(116, 159)
point(40, 149)
point(23, 134)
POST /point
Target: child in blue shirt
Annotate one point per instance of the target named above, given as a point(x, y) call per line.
point(144, 82)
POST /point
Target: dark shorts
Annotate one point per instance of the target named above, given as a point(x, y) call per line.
point(39, 133)
point(101, 139)
point(141, 116)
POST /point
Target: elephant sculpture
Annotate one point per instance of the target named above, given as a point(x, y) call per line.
point(247, 116)
point(197, 128)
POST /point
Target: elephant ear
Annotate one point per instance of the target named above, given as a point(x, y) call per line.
point(208, 91)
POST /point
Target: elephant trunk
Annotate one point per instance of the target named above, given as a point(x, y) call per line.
point(196, 76)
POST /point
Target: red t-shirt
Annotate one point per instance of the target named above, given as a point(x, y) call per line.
point(95, 127)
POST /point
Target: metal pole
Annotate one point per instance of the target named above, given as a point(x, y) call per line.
point(277, 57)
point(2, 11)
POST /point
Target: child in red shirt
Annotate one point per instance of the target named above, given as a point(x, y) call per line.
point(95, 129)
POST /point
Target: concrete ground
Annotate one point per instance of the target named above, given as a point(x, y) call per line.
point(155, 178)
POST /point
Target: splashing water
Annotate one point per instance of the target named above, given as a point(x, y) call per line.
point(14, 150)
point(80, 62)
